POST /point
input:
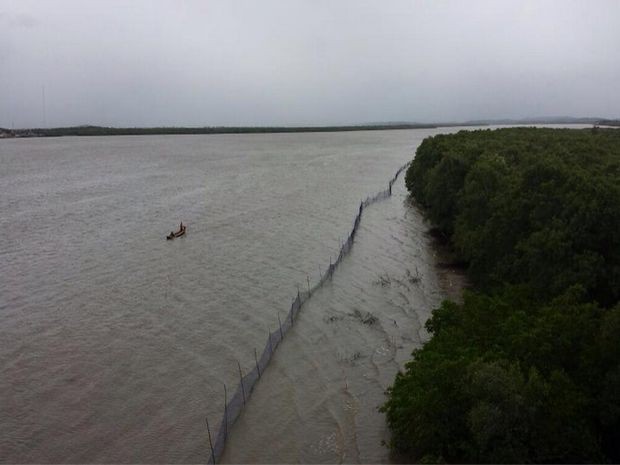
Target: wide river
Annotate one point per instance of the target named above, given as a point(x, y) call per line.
point(115, 343)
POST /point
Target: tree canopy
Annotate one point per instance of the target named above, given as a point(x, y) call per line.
point(527, 368)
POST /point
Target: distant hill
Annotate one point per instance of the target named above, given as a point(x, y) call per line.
point(609, 122)
point(538, 120)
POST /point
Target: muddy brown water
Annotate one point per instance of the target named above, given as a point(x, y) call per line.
point(114, 343)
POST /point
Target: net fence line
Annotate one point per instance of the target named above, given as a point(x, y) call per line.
point(234, 405)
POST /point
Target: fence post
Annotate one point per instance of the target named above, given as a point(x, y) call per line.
point(241, 379)
point(210, 442)
point(225, 412)
point(256, 361)
point(280, 323)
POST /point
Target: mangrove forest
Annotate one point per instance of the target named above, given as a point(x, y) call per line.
point(527, 367)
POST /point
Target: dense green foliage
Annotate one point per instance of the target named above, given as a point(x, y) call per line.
point(527, 368)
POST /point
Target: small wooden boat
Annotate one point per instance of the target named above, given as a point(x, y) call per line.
point(179, 233)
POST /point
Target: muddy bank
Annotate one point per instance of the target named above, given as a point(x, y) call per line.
point(451, 272)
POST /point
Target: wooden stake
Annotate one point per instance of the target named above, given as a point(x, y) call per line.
point(280, 323)
point(225, 412)
point(210, 442)
point(241, 379)
point(256, 360)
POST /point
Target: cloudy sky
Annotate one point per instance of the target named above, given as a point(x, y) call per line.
point(290, 62)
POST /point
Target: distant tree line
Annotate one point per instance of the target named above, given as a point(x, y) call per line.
point(111, 131)
point(527, 368)
point(87, 130)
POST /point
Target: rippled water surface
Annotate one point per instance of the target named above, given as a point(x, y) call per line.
point(114, 343)
point(323, 388)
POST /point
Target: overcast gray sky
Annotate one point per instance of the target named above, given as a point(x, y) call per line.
point(288, 62)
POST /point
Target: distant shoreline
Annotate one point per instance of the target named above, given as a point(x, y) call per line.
point(112, 131)
point(145, 131)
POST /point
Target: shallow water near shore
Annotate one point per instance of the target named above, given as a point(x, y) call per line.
point(321, 393)
point(115, 343)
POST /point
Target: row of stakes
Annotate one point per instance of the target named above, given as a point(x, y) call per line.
point(356, 223)
point(256, 356)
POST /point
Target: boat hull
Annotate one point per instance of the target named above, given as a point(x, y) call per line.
point(174, 235)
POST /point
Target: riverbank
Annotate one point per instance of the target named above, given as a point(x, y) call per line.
point(452, 273)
